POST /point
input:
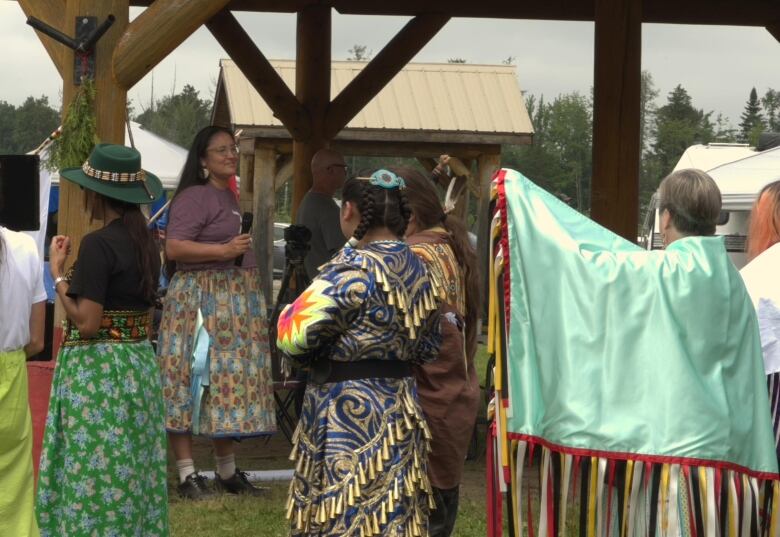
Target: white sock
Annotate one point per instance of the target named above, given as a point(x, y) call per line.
point(226, 466)
point(185, 467)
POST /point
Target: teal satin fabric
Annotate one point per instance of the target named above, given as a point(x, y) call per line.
point(618, 349)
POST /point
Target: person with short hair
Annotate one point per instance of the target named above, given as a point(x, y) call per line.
point(103, 465)
point(22, 320)
point(761, 276)
point(689, 205)
point(319, 212)
point(361, 444)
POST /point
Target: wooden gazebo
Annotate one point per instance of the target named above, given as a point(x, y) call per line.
point(313, 116)
point(467, 111)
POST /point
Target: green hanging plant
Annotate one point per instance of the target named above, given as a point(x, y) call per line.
point(79, 131)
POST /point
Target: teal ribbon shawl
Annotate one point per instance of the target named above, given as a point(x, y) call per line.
point(616, 351)
point(199, 377)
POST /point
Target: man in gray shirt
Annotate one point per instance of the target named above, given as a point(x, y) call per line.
point(319, 212)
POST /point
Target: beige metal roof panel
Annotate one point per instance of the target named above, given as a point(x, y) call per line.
point(422, 97)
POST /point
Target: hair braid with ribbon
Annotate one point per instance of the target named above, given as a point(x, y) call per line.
point(381, 202)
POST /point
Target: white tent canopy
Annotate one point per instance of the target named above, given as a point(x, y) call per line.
point(741, 181)
point(159, 156)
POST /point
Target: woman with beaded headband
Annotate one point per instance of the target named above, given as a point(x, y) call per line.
point(448, 386)
point(362, 443)
point(214, 299)
point(102, 469)
point(761, 279)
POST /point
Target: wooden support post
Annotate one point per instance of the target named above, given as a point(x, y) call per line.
point(263, 228)
point(312, 87)
point(52, 12)
point(110, 109)
point(260, 73)
point(487, 165)
point(615, 184)
point(246, 172)
point(381, 70)
point(162, 27)
point(284, 171)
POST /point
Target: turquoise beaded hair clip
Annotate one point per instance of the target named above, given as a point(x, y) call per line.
point(385, 179)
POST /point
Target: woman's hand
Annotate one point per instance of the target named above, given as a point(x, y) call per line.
point(58, 253)
point(237, 246)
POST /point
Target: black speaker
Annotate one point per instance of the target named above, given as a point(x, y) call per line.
point(19, 192)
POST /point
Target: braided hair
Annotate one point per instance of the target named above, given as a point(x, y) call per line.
point(378, 207)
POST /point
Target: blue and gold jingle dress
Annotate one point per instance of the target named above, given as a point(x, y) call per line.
point(362, 445)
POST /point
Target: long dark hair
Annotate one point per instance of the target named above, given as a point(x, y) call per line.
point(378, 207)
point(192, 173)
point(428, 213)
point(147, 254)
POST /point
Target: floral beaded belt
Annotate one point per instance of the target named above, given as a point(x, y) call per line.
point(115, 327)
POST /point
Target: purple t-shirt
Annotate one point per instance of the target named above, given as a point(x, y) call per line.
point(207, 214)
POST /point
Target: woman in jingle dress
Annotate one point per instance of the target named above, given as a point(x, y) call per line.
point(362, 442)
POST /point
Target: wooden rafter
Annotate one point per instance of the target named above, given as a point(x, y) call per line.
point(260, 73)
point(381, 70)
point(155, 33)
point(774, 29)
point(52, 12)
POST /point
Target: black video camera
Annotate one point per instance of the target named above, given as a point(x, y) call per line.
point(296, 239)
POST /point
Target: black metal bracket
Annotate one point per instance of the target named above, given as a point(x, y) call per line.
point(87, 35)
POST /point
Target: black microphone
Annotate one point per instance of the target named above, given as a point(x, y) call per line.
point(246, 225)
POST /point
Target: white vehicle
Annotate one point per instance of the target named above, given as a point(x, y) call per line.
point(740, 172)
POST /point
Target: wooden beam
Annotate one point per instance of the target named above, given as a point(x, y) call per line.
point(487, 166)
point(52, 12)
point(284, 171)
point(260, 73)
point(615, 183)
point(312, 88)
point(263, 228)
point(381, 70)
point(722, 12)
point(154, 34)
point(774, 29)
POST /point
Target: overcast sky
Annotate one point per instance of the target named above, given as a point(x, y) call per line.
point(717, 65)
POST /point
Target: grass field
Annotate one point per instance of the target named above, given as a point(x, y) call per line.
point(242, 516)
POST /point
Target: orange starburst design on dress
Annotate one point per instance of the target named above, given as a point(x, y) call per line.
point(296, 318)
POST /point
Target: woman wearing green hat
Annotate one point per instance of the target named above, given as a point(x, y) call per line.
point(102, 468)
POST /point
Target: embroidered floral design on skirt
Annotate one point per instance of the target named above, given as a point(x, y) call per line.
point(239, 400)
point(103, 466)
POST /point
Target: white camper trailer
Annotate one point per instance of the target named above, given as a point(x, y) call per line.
point(740, 172)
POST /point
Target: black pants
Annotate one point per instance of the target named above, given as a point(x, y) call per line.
point(442, 519)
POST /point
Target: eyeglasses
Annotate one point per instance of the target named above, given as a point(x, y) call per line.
point(224, 150)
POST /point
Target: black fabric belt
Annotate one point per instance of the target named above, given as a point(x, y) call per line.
point(325, 370)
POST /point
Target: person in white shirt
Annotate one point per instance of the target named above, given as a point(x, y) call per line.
point(22, 320)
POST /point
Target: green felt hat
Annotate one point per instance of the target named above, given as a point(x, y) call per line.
point(115, 172)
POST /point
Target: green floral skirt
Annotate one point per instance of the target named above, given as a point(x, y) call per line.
point(103, 465)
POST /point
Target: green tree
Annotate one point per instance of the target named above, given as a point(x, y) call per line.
point(456, 60)
point(771, 104)
point(359, 53)
point(752, 121)
point(24, 127)
point(177, 117)
point(560, 158)
point(679, 125)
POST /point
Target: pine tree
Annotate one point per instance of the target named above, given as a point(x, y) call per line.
point(752, 120)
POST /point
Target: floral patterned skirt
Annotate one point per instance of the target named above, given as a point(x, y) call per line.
point(361, 449)
point(239, 399)
point(103, 465)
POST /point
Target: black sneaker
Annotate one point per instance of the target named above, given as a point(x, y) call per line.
point(238, 483)
point(194, 487)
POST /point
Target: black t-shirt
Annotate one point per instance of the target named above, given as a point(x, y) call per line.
point(107, 270)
